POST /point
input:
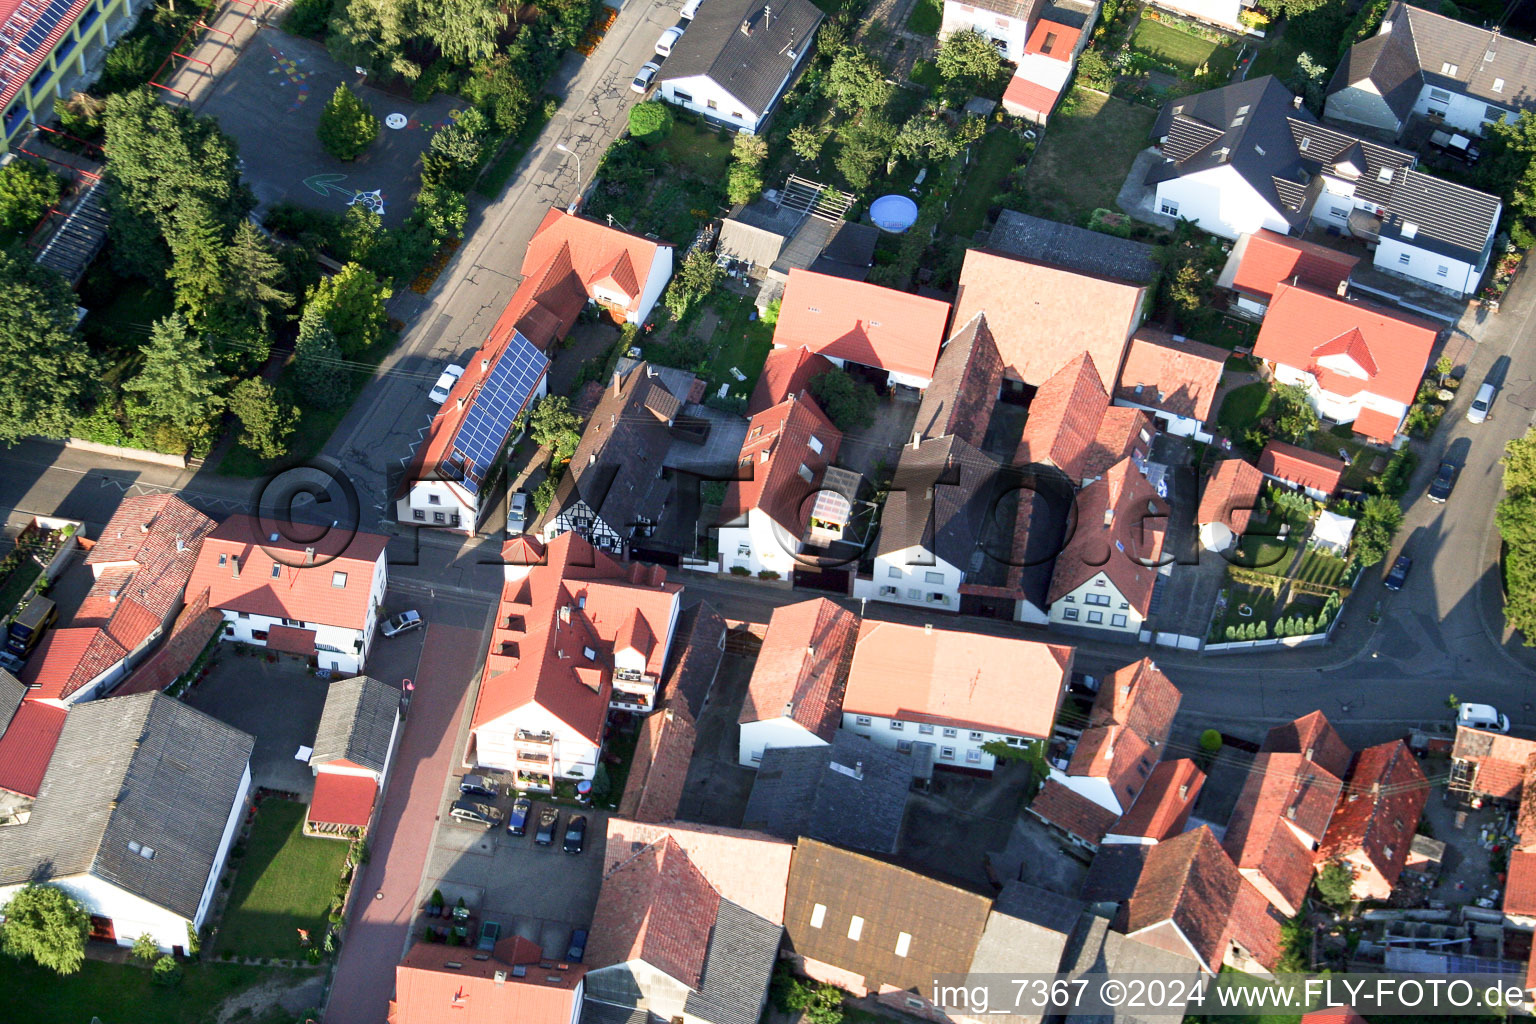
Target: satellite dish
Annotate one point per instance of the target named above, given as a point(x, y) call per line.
point(893, 213)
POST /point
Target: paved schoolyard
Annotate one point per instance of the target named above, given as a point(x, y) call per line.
point(386, 895)
point(270, 103)
point(278, 702)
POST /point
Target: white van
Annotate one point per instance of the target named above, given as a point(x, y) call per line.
point(1480, 404)
point(691, 8)
point(1482, 716)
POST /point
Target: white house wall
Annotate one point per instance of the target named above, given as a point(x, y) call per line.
point(953, 746)
point(701, 91)
point(1171, 423)
point(1012, 32)
point(1459, 277)
point(1339, 408)
point(1221, 202)
point(768, 545)
point(1466, 113)
point(757, 737)
point(418, 508)
point(910, 380)
point(1090, 787)
point(574, 755)
point(131, 916)
point(655, 283)
point(350, 661)
point(1117, 616)
point(909, 579)
point(231, 824)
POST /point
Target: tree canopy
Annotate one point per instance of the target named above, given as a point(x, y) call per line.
point(27, 190)
point(46, 369)
point(352, 304)
point(554, 426)
point(265, 421)
point(45, 923)
point(1334, 884)
point(695, 278)
point(1516, 519)
point(318, 366)
point(848, 403)
point(650, 120)
point(347, 127)
point(968, 56)
point(745, 181)
point(856, 81)
point(179, 381)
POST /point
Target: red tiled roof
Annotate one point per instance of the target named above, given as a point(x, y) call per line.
point(1377, 425)
point(659, 767)
point(777, 445)
point(69, 658)
point(1294, 465)
point(1306, 329)
point(1285, 794)
point(291, 640)
point(965, 385)
point(194, 627)
point(751, 869)
point(1188, 881)
point(27, 745)
point(1064, 418)
point(1231, 494)
point(600, 256)
point(1028, 97)
point(1061, 46)
point(1178, 377)
point(144, 529)
point(1255, 926)
point(342, 799)
point(306, 593)
point(861, 323)
point(657, 907)
point(803, 666)
point(957, 678)
point(1123, 433)
point(1520, 884)
point(1128, 727)
point(546, 304)
point(1380, 813)
point(1162, 809)
point(1072, 812)
point(1313, 737)
point(787, 372)
point(1270, 258)
point(1043, 316)
point(1333, 1015)
point(1499, 761)
point(538, 657)
point(436, 984)
point(1126, 550)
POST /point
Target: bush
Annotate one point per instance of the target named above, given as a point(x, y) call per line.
point(740, 570)
point(767, 574)
point(167, 971)
point(1210, 739)
point(650, 121)
point(1334, 883)
point(307, 18)
point(347, 127)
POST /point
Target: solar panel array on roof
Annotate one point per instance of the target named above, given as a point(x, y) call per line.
point(38, 34)
point(495, 406)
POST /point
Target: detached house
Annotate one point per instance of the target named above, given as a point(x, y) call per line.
point(1115, 757)
point(1261, 261)
point(795, 696)
point(141, 566)
point(1375, 823)
point(1104, 576)
point(737, 58)
point(1424, 64)
point(134, 817)
point(576, 633)
point(1313, 473)
point(353, 746)
point(1005, 22)
point(888, 335)
point(571, 261)
point(787, 494)
point(1172, 380)
point(1249, 156)
point(1061, 29)
point(317, 600)
point(1359, 363)
point(957, 691)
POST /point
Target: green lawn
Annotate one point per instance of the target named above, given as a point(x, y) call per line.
point(926, 17)
point(743, 343)
point(1228, 333)
point(1321, 568)
point(285, 883)
point(1266, 554)
point(1184, 51)
point(1242, 408)
point(1261, 604)
point(1085, 155)
point(698, 149)
point(992, 159)
point(124, 993)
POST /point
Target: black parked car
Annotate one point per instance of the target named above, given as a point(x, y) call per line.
point(578, 946)
point(517, 821)
point(1399, 574)
point(1444, 482)
point(575, 834)
point(549, 821)
point(479, 785)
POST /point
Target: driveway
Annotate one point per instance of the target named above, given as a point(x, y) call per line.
point(386, 896)
point(278, 702)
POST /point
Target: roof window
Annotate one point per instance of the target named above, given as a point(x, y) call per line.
point(855, 927)
point(903, 943)
point(1306, 143)
point(1410, 229)
point(818, 915)
point(338, 579)
point(1498, 85)
point(1385, 174)
point(277, 570)
point(1447, 68)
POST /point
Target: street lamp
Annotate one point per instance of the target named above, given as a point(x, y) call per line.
point(571, 152)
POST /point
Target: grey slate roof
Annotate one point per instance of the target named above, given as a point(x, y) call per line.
point(12, 693)
point(144, 769)
point(358, 719)
point(799, 793)
point(950, 523)
point(1423, 48)
point(1027, 931)
point(1021, 9)
point(737, 965)
point(1450, 219)
point(698, 646)
point(1096, 949)
point(850, 252)
point(749, 67)
point(1114, 873)
point(741, 240)
point(1074, 248)
point(595, 1012)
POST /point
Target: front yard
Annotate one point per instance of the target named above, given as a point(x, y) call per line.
point(285, 882)
point(126, 993)
point(1086, 153)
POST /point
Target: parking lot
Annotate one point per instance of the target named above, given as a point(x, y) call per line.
point(539, 892)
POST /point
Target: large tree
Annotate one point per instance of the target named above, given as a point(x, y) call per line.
point(968, 56)
point(352, 304)
point(46, 370)
point(266, 421)
point(347, 127)
point(745, 182)
point(553, 425)
point(848, 403)
point(319, 368)
point(465, 30)
point(27, 190)
point(372, 34)
point(856, 81)
point(253, 277)
point(179, 382)
point(1516, 519)
point(45, 923)
point(163, 161)
point(1508, 164)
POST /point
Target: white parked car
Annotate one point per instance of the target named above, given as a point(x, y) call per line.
point(1481, 404)
point(691, 8)
point(668, 40)
point(1482, 716)
point(445, 383)
point(646, 76)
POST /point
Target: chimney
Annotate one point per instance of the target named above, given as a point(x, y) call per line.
point(112, 596)
point(309, 556)
point(234, 566)
point(485, 364)
point(916, 440)
point(1184, 791)
point(181, 545)
point(1308, 754)
point(618, 383)
point(143, 527)
point(461, 401)
point(927, 629)
point(1296, 102)
point(1343, 287)
point(501, 977)
point(565, 614)
point(810, 650)
point(746, 25)
point(1375, 789)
